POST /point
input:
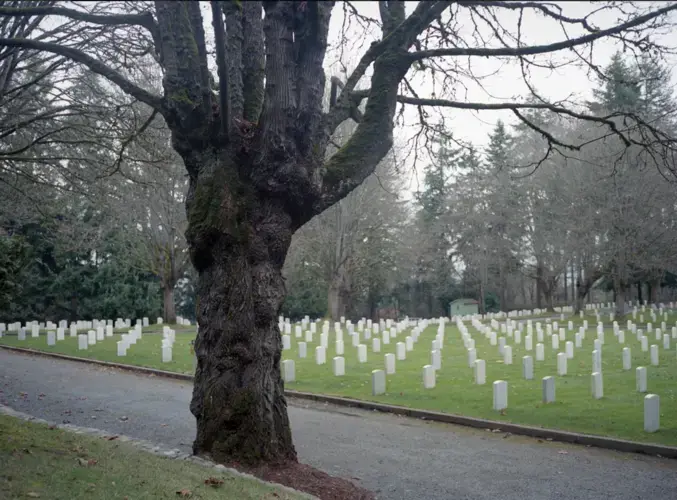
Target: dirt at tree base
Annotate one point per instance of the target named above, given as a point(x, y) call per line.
point(305, 478)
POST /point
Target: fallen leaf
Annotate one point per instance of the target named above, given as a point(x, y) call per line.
point(32, 494)
point(213, 481)
point(112, 438)
point(503, 411)
point(52, 427)
point(92, 461)
point(563, 452)
point(184, 493)
point(124, 418)
point(164, 425)
point(82, 462)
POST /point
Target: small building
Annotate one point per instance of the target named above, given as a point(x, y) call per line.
point(464, 307)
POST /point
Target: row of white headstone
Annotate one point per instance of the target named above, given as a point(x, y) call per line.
point(35, 326)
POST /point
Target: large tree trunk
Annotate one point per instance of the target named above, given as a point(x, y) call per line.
point(539, 286)
point(238, 243)
point(169, 306)
point(482, 304)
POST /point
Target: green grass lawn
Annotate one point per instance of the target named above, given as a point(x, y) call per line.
point(39, 462)
point(618, 414)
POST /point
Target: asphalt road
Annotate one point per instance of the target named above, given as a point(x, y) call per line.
point(397, 457)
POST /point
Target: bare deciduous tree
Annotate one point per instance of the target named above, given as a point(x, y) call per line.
point(255, 151)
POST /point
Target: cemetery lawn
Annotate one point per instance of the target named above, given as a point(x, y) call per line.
point(618, 414)
point(39, 462)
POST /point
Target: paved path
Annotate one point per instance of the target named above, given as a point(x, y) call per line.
point(399, 458)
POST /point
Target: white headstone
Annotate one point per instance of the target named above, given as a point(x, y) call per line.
point(91, 337)
point(596, 361)
point(561, 364)
point(390, 363)
point(507, 355)
point(378, 382)
point(288, 371)
point(569, 349)
point(621, 337)
point(82, 342)
point(540, 352)
point(640, 379)
point(528, 367)
point(35, 330)
point(376, 344)
point(480, 372)
point(500, 395)
point(627, 358)
point(166, 354)
point(362, 353)
point(51, 338)
point(528, 343)
point(436, 359)
point(548, 389)
point(60, 333)
point(652, 414)
point(303, 350)
point(501, 345)
point(320, 355)
point(666, 342)
point(645, 343)
point(286, 342)
point(401, 351)
point(339, 366)
point(339, 347)
point(597, 385)
point(472, 357)
point(654, 355)
point(555, 342)
point(428, 377)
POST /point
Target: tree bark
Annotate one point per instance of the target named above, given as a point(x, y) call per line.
point(169, 306)
point(238, 242)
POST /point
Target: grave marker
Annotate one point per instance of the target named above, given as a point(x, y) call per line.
point(362, 353)
point(339, 347)
point(288, 371)
point(654, 355)
point(507, 355)
point(400, 351)
point(436, 359)
point(640, 379)
point(51, 338)
point(390, 363)
point(303, 350)
point(540, 352)
point(597, 385)
point(339, 365)
point(286, 342)
point(320, 355)
point(472, 357)
point(555, 342)
point(378, 382)
point(561, 364)
point(376, 344)
point(652, 414)
point(528, 367)
point(548, 386)
point(500, 395)
point(82, 342)
point(428, 377)
point(569, 349)
point(480, 372)
point(627, 359)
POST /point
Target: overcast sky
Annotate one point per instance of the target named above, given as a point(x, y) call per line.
point(503, 79)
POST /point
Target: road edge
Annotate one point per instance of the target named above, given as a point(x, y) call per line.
point(448, 418)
